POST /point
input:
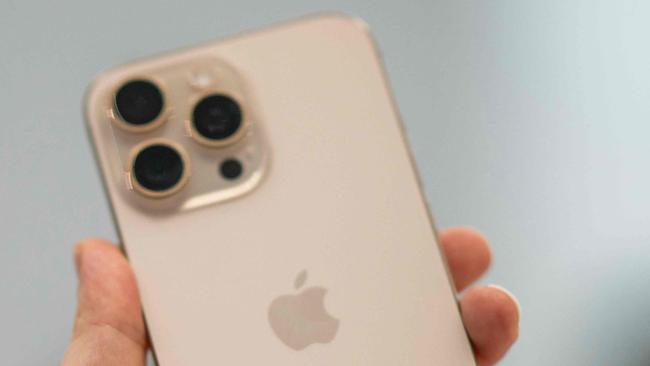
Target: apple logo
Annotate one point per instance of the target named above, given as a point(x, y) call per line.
point(301, 320)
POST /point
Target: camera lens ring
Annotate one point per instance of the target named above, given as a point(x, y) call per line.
point(168, 156)
point(234, 109)
point(139, 118)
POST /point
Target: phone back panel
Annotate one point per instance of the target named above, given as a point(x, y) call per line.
point(340, 202)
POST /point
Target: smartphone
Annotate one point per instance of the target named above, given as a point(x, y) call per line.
point(265, 195)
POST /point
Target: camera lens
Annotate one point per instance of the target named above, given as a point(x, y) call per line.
point(217, 117)
point(139, 102)
point(158, 168)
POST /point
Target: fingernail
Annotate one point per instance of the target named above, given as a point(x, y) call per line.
point(510, 295)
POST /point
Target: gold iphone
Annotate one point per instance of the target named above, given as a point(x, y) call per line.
point(266, 198)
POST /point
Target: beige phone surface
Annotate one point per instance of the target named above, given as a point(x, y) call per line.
point(318, 249)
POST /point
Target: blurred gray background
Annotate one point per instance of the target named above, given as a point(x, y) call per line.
point(529, 120)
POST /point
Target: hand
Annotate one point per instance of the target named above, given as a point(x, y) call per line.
point(109, 329)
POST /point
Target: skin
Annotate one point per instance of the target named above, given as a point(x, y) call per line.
point(109, 329)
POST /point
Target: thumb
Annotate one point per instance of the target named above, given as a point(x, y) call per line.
point(108, 328)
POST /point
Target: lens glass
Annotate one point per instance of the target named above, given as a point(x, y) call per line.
point(158, 168)
point(217, 117)
point(231, 169)
point(139, 102)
